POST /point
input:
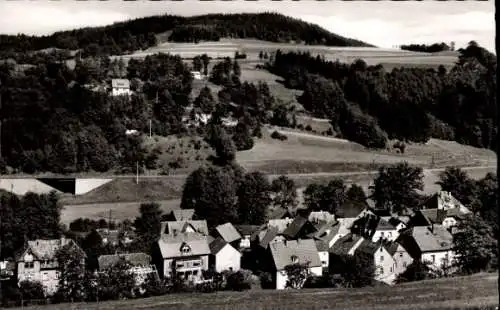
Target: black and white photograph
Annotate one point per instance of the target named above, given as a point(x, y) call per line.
point(248, 155)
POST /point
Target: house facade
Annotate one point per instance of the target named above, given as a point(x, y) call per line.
point(224, 256)
point(402, 259)
point(141, 266)
point(294, 252)
point(183, 255)
point(383, 261)
point(38, 262)
point(120, 87)
point(385, 231)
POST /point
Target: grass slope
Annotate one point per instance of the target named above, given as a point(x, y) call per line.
point(472, 292)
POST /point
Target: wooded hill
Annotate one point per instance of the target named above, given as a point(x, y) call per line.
point(139, 34)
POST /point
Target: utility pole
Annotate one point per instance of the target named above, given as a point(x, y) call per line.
point(150, 125)
point(1, 118)
point(137, 172)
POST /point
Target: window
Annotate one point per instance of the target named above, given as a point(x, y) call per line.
point(195, 272)
point(196, 264)
point(390, 269)
point(294, 259)
point(382, 234)
point(381, 270)
point(185, 249)
point(404, 264)
point(381, 258)
point(400, 254)
point(29, 265)
point(433, 258)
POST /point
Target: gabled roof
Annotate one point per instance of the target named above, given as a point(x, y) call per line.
point(183, 214)
point(444, 200)
point(420, 239)
point(269, 235)
point(279, 213)
point(171, 227)
point(47, 249)
point(384, 225)
point(368, 247)
point(295, 227)
point(392, 247)
point(136, 259)
point(170, 245)
point(228, 232)
point(321, 245)
point(343, 245)
point(327, 232)
point(120, 83)
point(216, 245)
point(246, 230)
point(304, 250)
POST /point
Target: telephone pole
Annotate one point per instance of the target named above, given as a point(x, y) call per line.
point(1, 118)
point(137, 172)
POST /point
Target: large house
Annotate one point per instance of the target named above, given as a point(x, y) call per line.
point(120, 87)
point(141, 266)
point(383, 261)
point(433, 245)
point(294, 252)
point(224, 256)
point(38, 262)
point(182, 254)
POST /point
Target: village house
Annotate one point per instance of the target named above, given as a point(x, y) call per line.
point(321, 216)
point(224, 257)
point(229, 234)
point(197, 75)
point(444, 201)
point(183, 214)
point(327, 234)
point(182, 254)
point(141, 266)
point(300, 227)
point(120, 87)
point(324, 255)
point(246, 232)
point(384, 230)
point(38, 262)
point(346, 245)
point(433, 245)
point(189, 226)
point(7, 270)
point(402, 258)
point(114, 237)
point(302, 251)
point(382, 260)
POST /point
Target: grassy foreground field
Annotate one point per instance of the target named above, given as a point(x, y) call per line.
point(472, 292)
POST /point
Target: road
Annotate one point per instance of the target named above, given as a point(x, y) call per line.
point(182, 176)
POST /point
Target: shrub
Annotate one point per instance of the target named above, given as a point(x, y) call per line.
point(278, 136)
point(308, 128)
point(238, 281)
point(266, 280)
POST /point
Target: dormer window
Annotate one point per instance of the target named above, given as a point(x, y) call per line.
point(294, 259)
point(185, 249)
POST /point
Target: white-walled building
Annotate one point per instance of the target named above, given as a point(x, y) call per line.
point(224, 257)
point(120, 87)
point(294, 252)
point(383, 261)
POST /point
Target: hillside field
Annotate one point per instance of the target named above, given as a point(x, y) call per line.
point(473, 292)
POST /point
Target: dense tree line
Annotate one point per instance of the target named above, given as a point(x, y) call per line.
point(424, 48)
point(411, 104)
point(139, 34)
point(58, 124)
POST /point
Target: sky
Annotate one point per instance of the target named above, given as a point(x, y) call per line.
point(384, 23)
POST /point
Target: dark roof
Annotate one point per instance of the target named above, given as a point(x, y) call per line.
point(435, 216)
point(344, 244)
point(391, 247)
point(294, 228)
point(367, 247)
point(351, 209)
point(246, 230)
point(321, 245)
point(269, 236)
point(217, 245)
point(136, 259)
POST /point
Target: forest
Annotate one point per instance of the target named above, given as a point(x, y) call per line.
point(139, 34)
point(432, 48)
point(368, 105)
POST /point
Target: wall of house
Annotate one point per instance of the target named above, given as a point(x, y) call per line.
point(48, 277)
point(389, 235)
point(245, 242)
point(228, 258)
point(402, 260)
point(324, 257)
point(281, 276)
point(121, 91)
point(167, 264)
point(384, 266)
point(436, 259)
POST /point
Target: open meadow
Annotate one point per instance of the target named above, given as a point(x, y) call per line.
point(479, 291)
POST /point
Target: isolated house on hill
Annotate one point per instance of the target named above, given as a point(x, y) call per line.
point(183, 255)
point(294, 252)
point(120, 87)
point(174, 227)
point(224, 256)
point(38, 262)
